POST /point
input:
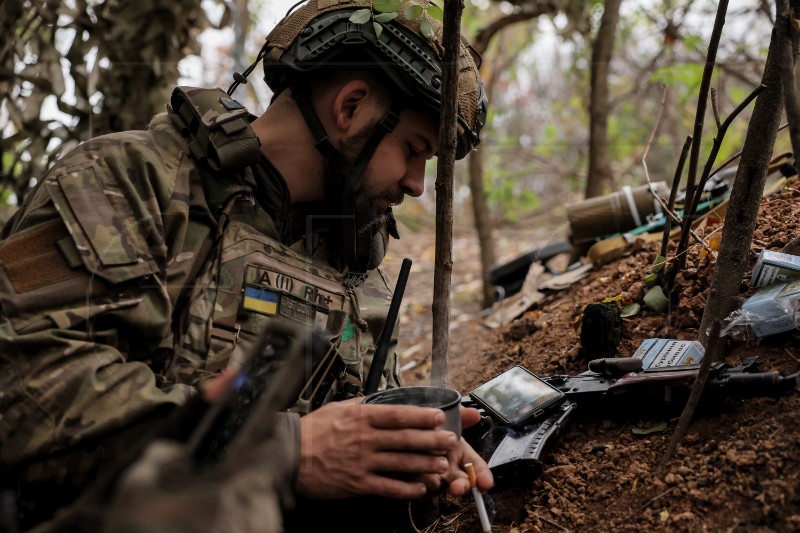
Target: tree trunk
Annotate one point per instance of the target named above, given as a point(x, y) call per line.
point(483, 225)
point(599, 170)
point(742, 215)
point(443, 267)
point(480, 206)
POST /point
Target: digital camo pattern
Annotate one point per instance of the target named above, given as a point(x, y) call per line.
point(96, 267)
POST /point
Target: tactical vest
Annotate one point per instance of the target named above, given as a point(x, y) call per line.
point(251, 277)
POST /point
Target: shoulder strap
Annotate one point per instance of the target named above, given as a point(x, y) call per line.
point(217, 127)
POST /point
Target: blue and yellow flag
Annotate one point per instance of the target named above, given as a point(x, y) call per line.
point(260, 300)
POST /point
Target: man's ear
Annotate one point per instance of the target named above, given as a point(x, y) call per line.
point(352, 104)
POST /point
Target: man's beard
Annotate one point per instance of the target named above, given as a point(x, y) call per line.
point(334, 181)
point(359, 225)
point(350, 148)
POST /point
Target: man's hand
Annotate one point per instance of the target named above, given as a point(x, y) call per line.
point(455, 480)
point(352, 449)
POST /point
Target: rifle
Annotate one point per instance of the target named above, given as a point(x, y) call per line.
point(611, 387)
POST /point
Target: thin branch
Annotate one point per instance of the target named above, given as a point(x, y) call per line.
point(692, 201)
point(444, 196)
point(714, 106)
point(705, 84)
point(554, 524)
point(654, 499)
point(733, 70)
point(718, 144)
point(484, 35)
point(727, 162)
point(676, 180)
point(737, 155)
point(660, 200)
point(653, 134)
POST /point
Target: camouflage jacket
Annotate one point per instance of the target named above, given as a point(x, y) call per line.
point(132, 273)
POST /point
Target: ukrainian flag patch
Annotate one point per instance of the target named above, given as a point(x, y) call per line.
point(260, 300)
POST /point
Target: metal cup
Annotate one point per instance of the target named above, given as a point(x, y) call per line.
point(447, 400)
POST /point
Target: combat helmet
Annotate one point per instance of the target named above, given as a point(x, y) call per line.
point(318, 33)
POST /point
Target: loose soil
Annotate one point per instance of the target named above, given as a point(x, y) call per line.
point(737, 469)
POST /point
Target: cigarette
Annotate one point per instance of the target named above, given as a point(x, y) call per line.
point(476, 494)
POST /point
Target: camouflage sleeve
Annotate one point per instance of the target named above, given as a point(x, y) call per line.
point(85, 296)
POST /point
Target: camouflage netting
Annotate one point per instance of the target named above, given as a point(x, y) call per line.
point(105, 66)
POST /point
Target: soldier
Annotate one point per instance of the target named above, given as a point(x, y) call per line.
point(145, 263)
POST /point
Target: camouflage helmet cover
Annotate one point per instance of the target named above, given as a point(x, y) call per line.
point(313, 36)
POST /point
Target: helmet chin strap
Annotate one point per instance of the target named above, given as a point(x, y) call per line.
point(357, 223)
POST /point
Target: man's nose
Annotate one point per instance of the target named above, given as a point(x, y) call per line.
point(413, 183)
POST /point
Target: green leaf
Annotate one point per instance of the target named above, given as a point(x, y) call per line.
point(655, 299)
point(386, 6)
point(361, 16)
point(378, 28)
point(659, 263)
point(658, 428)
point(413, 12)
point(650, 279)
point(630, 310)
point(385, 17)
point(435, 12)
point(427, 29)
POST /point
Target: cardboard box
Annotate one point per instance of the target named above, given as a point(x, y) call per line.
point(775, 267)
point(667, 353)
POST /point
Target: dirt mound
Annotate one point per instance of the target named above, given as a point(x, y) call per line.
point(738, 469)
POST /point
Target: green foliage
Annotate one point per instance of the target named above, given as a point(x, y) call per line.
point(655, 299)
point(383, 11)
point(387, 6)
point(435, 11)
point(656, 428)
point(506, 195)
point(361, 16)
point(413, 12)
point(687, 74)
point(694, 42)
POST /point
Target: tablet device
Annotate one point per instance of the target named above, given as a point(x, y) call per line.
point(517, 396)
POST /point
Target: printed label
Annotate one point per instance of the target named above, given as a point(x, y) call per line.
point(666, 353)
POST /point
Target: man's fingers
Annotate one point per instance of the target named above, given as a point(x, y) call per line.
point(408, 463)
point(459, 482)
point(433, 442)
point(402, 416)
point(483, 475)
point(434, 483)
point(469, 417)
point(393, 488)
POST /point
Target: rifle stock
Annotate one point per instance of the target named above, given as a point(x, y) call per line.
point(515, 454)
